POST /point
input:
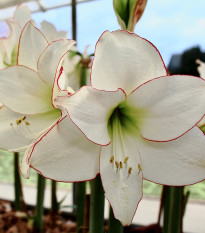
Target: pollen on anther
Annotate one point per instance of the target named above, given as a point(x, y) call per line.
point(117, 164)
point(112, 159)
point(126, 159)
point(27, 123)
point(18, 122)
point(139, 167)
point(24, 118)
point(129, 170)
point(121, 166)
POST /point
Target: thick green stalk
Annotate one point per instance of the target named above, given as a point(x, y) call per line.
point(80, 199)
point(173, 210)
point(114, 225)
point(18, 203)
point(97, 201)
point(38, 219)
point(74, 21)
point(54, 202)
point(83, 76)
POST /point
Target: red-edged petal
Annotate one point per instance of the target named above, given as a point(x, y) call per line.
point(90, 110)
point(172, 106)
point(64, 154)
point(124, 60)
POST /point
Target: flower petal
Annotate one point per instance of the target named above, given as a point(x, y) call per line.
point(123, 190)
point(32, 44)
point(173, 105)
point(89, 109)
point(64, 154)
point(22, 15)
point(178, 162)
point(124, 60)
point(14, 136)
point(51, 33)
point(51, 58)
point(23, 91)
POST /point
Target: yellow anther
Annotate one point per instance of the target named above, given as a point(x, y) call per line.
point(24, 118)
point(121, 166)
point(139, 168)
point(129, 170)
point(112, 159)
point(18, 122)
point(117, 164)
point(125, 160)
point(27, 123)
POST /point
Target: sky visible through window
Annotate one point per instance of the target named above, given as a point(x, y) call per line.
point(171, 25)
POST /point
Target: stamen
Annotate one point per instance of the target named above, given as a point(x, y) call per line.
point(21, 128)
point(139, 168)
point(18, 122)
point(126, 159)
point(129, 170)
point(117, 164)
point(121, 166)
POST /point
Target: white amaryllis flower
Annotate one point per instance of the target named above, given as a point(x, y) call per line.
point(28, 93)
point(144, 120)
point(9, 45)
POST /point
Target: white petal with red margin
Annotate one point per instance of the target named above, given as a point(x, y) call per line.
point(13, 136)
point(23, 91)
point(173, 105)
point(124, 60)
point(32, 44)
point(123, 190)
point(90, 109)
point(65, 154)
point(51, 58)
point(178, 162)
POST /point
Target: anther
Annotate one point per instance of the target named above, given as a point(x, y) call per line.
point(24, 118)
point(126, 159)
point(116, 164)
point(129, 170)
point(121, 166)
point(112, 159)
point(139, 168)
point(18, 122)
point(11, 124)
point(27, 123)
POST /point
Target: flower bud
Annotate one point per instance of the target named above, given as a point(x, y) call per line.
point(129, 12)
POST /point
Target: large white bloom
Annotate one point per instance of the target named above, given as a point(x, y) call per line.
point(28, 91)
point(144, 120)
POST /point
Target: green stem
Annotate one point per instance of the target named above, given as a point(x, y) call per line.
point(173, 210)
point(83, 76)
point(38, 219)
point(18, 203)
point(54, 202)
point(114, 225)
point(80, 199)
point(74, 21)
point(97, 202)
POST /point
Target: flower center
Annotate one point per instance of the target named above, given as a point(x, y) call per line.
point(123, 122)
